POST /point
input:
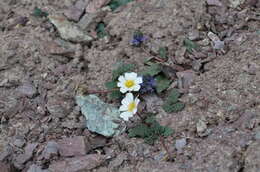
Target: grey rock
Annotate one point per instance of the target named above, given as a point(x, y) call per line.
point(50, 150)
point(78, 164)
point(201, 126)
point(214, 2)
point(252, 158)
point(27, 155)
point(180, 144)
point(27, 89)
point(76, 11)
point(100, 116)
point(5, 153)
point(257, 135)
point(19, 142)
point(69, 31)
point(35, 168)
point(74, 146)
point(194, 35)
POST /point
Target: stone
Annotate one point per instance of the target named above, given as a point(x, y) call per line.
point(6, 153)
point(100, 117)
point(27, 155)
point(180, 144)
point(69, 31)
point(252, 158)
point(201, 126)
point(27, 89)
point(257, 135)
point(185, 79)
point(73, 146)
point(217, 43)
point(50, 150)
point(194, 35)
point(76, 11)
point(214, 2)
point(19, 142)
point(35, 168)
point(77, 164)
point(94, 6)
point(6, 167)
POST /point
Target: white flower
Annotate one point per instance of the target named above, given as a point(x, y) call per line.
point(129, 82)
point(129, 106)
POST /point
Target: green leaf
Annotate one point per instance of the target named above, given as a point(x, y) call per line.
point(152, 70)
point(139, 131)
point(115, 95)
point(101, 32)
point(167, 131)
point(162, 83)
point(173, 96)
point(190, 45)
point(114, 4)
point(167, 107)
point(111, 84)
point(121, 69)
point(37, 12)
point(163, 52)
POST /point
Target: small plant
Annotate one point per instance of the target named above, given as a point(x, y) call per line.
point(172, 103)
point(37, 12)
point(150, 130)
point(114, 4)
point(138, 39)
point(100, 29)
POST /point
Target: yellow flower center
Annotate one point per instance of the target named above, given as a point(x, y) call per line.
point(131, 106)
point(129, 83)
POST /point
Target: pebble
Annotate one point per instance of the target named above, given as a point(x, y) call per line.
point(180, 144)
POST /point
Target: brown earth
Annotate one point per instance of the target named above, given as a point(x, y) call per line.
point(220, 122)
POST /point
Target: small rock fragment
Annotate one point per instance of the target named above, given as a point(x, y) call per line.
point(180, 143)
point(100, 117)
point(257, 135)
point(251, 68)
point(59, 107)
point(201, 126)
point(76, 11)
point(27, 155)
point(78, 164)
point(194, 35)
point(5, 153)
point(19, 142)
point(27, 89)
point(118, 160)
point(36, 168)
point(95, 5)
point(235, 3)
point(217, 43)
point(74, 146)
point(69, 31)
point(5, 167)
point(214, 2)
point(185, 79)
point(50, 150)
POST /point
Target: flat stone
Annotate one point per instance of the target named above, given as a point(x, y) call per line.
point(76, 11)
point(69, 31)
point(252, 158)
point(6, 167)
point(73, 146)
point(77, 164)
point(27, 155)
point(180, 144)
point(27, 89)
point(100, 117)
point(51, 149)
point(35, 168)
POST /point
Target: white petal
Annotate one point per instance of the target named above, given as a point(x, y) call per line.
point(135, 110)
point(136, 87)
point(137, 101)
point(123, 90)
point(130, 97)
point(126, 115)
point(139, 80)
point(123, 107)
point(120, 84)
point(130, 76)
point(121, 79)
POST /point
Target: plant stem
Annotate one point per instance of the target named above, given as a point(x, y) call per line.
point(166, 148)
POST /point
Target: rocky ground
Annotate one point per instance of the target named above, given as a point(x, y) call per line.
point(42, 69)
